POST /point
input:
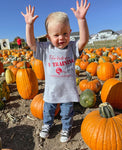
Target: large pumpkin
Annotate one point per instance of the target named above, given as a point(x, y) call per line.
point(37, 106)
point(37, 66)
point(102, 130)
point(27, 83)
point(112, 91)
point(105, 71)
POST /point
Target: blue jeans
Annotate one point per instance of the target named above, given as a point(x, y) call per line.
point(66, 114)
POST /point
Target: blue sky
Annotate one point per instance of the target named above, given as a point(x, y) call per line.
point(102, 14)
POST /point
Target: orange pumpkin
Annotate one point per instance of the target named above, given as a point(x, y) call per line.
point(21, 64)
point(85, 57)
point(83, 65)
point(14, 70)
point(88, 83)
point(37, 66)
point(102, 129)
point(115, 63)
point(119, 51)
point(112, 91)
point(77, 62)
point(27, 83)
point(98, 52)
point(37, 106)
point(105, 71)
point(1, 67)
point(92, 68)
point(112, 56)
point(104, 59)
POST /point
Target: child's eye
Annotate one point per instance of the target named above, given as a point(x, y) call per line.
point(56, 35)
point(65, 33)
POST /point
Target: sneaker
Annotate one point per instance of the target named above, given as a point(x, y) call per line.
point(65, 136)
point(45, 131)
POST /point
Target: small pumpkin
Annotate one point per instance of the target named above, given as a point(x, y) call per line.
point(9, 76)
point(85, 57)
point(92, 68)
point(102, 129)
point(88, 83)
point(112, 91)
point(20, 64)
point(77, 62)
point(84, 64)
point(37, 106)
point(103, 59)
point(87, 98)
point(4, 90)
point(27, 83)
point(105, 71)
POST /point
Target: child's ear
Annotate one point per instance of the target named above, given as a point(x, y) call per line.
point(70, 30)
point(48, 37)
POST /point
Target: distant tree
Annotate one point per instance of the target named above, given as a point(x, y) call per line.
point(13, 44)
point(15, 39)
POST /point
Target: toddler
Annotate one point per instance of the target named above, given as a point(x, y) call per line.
point(58, 56)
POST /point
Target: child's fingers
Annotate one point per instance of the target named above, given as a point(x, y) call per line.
point(88, 6)
point(73, 10)
point(29, 8)
point(27, 11)
point(22, 13)
point(81, 3)
point(85, 3)
point(35, 17)
point(77, 4)
point(33, 8)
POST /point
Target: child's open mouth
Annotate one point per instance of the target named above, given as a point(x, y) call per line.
point(61, 43)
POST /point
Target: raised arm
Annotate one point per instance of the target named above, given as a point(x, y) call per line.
point(30, 19)
point(80, 14)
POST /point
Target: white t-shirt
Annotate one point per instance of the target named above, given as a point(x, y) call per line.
point(59, 66)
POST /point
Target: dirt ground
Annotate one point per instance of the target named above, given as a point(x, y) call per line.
point(19, 129)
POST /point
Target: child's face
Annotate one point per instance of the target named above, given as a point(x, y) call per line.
point(59, 34)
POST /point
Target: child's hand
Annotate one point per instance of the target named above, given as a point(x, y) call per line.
point(29, 16)
point(81, 11)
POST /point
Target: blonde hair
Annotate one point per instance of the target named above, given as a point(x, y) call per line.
point(58, 17)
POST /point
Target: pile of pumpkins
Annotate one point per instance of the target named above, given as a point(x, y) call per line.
point(101, 129)
point(104, 64)
point(20, 66)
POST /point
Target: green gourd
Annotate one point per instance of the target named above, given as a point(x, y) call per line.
point(87, 98)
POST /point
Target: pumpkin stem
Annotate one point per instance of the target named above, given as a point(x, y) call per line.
point(120, 73)
point(106, 110)
point(103, 59)
point(105, 53)
point(89, 77)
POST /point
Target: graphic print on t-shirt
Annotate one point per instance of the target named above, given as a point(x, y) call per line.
point(60, 66)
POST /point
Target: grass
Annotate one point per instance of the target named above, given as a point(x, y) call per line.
point(107, 43)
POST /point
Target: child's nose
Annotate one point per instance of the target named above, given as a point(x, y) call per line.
point(61, 37)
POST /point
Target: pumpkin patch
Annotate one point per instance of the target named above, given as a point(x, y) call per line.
point(21, 100)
